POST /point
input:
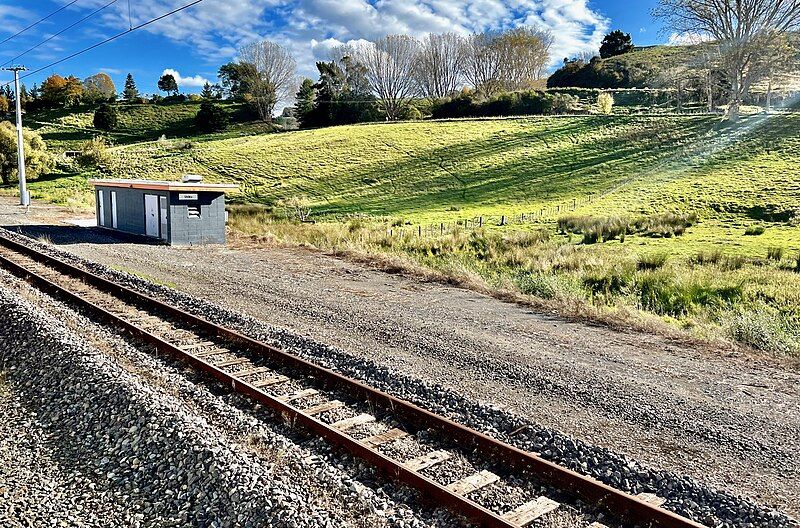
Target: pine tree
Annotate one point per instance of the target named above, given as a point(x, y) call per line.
point(130, 93)
point(207, 92)
point(304, 103)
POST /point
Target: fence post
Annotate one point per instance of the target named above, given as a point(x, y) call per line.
point(480, 221)
point(419, 231)
point(441, 228)
point(503, 220)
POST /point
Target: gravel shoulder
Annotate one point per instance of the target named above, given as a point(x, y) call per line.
point(729, 420)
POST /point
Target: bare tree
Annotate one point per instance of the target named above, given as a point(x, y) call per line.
point(439, 65)
point(390, 66)
point(525, 55)
point(743, 28)
point(483, 62)
point(276, 72)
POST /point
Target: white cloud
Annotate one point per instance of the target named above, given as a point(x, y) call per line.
point(183, 82)
point(214, 29)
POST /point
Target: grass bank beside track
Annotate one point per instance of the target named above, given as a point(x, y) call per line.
point(731, 272)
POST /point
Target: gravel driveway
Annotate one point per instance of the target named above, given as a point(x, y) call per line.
point(729, 420)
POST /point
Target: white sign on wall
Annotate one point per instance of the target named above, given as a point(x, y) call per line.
point(187, 196)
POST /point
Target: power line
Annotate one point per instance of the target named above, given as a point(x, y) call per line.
point(109, 39)
point(38, 22)
point(51, 37)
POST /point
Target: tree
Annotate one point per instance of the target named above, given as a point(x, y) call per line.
point(439, 65)
point(304, 100)
point(483, 61)
point(167, 83)
point(275, 73)
point(525, 53)
point(207, 92)
point(73, 91)
point(53, 90)
point(616, 43)
point(743, 29)
point(131, 93)
point(389, 66)
point(37, 159)
point(211, 117)
point(99, 87)
point(4, 105)
point(105, 117)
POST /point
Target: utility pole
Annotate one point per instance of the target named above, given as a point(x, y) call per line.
point(24, 198)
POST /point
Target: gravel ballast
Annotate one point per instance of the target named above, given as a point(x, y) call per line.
point(90, 439)
point(685, 495)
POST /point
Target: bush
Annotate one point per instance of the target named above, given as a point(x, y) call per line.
point(38, 160)
point(565, 103)
point(94, 153)
point(605, 103)
point(412, 113)
point(467, 104)
point(755, 230)
point(105, 117)
point(211, 117)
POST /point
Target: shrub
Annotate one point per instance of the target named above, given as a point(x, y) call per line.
point(605, 103)
point(755, 230)
point(565, 103)
point(412, 113)
point(94, 153)
point(105, 117)
point(466, 104)
point(38, 160)
point(211, 117)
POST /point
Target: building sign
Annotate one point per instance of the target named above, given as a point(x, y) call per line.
point(187, 196)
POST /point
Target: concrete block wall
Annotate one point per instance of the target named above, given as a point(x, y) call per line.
point(130, 208)
point(208, 228)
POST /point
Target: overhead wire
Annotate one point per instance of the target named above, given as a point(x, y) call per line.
point(20, 32)
point(106, 41)
point(51, 37)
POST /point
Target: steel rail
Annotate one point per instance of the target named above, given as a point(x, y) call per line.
point(630, 510)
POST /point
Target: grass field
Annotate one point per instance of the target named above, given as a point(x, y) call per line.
point(696, 222)
point(68, 129)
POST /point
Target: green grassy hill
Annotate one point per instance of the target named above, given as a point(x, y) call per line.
point(68, 129)
point(428, 172)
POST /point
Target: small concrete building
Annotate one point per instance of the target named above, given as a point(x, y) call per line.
point(185, 213)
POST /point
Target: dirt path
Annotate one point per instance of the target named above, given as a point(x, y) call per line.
point(728, 420)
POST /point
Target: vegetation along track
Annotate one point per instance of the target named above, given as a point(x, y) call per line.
point(348, 414)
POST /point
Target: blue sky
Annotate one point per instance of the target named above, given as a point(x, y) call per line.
point(196, 41)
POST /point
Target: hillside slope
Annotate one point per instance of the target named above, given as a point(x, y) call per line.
point(428, 170)
point(67, 129)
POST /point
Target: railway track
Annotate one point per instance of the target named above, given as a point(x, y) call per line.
point(404, 442)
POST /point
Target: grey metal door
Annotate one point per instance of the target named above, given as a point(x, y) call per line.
point(151, 215)
point(101, 208)
point(162, 204)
